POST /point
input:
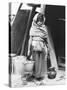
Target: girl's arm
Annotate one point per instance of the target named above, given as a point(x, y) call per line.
point(29, 45)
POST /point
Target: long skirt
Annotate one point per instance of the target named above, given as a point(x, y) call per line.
point(40, 66)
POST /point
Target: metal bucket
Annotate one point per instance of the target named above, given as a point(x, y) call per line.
point(18, 65)
point(21, 65)
point(28, 67)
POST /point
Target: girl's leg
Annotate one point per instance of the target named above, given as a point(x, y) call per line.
point(36, 66)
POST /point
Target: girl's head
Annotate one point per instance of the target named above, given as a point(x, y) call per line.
point(39, 19)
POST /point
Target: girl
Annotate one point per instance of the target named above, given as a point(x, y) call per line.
point(38, 44)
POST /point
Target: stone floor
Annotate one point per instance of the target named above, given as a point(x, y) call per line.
point(18, 82)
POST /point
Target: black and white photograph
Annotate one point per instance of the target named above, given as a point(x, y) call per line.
point(36, 44)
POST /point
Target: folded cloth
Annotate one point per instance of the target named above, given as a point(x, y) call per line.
point(37, 45)
point(38, 31)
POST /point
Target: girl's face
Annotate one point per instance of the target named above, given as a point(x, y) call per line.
point(39, 23)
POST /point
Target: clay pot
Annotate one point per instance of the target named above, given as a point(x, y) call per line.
point(52, 73)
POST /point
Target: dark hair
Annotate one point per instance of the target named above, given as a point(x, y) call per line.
point(40, 17)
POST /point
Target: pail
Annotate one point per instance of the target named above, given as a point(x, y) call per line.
point(18, 64)
point(29, 66)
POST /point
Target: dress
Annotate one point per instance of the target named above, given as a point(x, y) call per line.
point(39, 49)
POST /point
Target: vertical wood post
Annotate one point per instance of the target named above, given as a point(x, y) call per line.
point(50, 42)
point(28, 28)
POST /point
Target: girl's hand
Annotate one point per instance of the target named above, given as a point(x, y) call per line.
point(28, 52)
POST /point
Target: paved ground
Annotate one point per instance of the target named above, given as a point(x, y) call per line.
point(18, 82)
